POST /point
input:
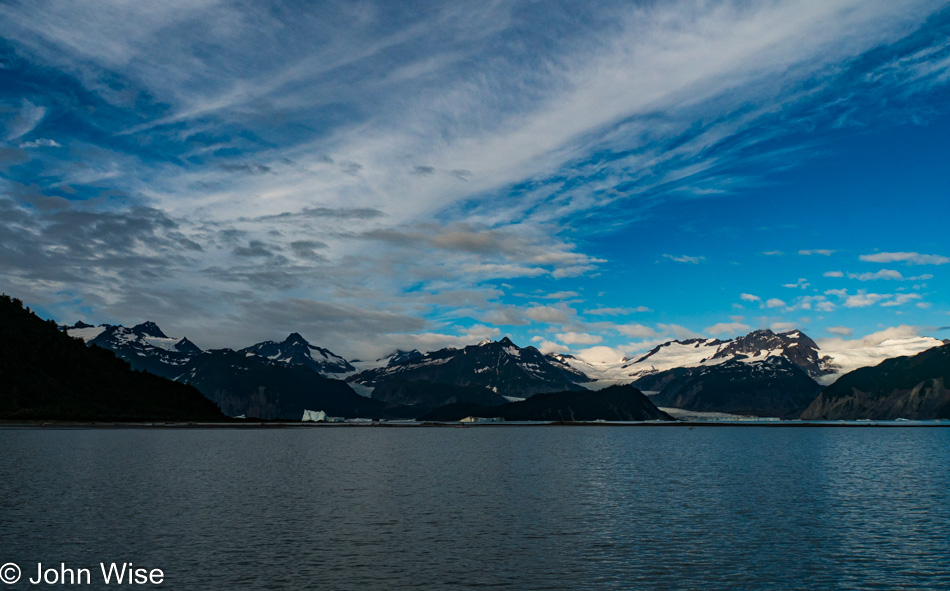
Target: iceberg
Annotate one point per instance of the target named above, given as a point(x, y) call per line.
point(314, 416)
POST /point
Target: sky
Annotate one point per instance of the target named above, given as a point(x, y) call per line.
point(581, 177)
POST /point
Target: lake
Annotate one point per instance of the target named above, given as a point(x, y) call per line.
point(505, 507)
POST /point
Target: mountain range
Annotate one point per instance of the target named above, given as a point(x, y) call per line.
point(269, 380)
point(500, 366)
point(763, 373)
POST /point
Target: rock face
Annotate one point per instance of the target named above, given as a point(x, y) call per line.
point(915, 387)
point(46, 375)
point(772, 387)
point(428, 395)
point(498, 365)
point(258, 387)
point(616, 403)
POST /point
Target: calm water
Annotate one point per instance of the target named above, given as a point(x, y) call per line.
point(519, 508)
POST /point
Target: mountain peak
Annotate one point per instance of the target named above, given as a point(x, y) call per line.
point(149, 329)
point(295, 337)
point(401, 356)
point(507, 342)
point(186, 346)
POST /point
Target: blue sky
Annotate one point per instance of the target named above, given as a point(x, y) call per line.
point(429, 174)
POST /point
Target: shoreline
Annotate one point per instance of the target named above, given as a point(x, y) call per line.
point(67, 425)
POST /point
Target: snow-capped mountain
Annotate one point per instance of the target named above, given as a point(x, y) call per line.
point(500, 366)
point(267, 380)
point(793, 345)
point(144, 346)
point(672, 354)
point(822, 363)
point(295, 350)
point(147, 348)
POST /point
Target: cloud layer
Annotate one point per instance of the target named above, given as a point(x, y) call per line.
point(374, 174)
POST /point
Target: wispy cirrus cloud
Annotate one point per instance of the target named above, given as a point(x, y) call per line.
point(25, 120)
point(727, 328)
point(840, 330)
point(685, 259)
point(385, 157)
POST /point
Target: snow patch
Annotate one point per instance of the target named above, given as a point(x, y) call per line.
point(86, 334)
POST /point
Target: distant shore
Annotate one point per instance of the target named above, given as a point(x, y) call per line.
point(415, 424)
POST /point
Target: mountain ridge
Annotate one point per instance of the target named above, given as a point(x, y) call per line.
point(909, 387)
point(500, 365)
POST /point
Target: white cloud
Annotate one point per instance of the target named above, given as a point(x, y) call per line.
point(901, 299)
point(546, 346)
point(840, 330)
point(617, 311)
point(438, 92)
point(911, 258)
point(503, 270)
point(41, 143)
point(680, 332)
point(802, 283)
point(748, 297)
point(834, 274)
point(774, 303)
point(863, 299)
point(579, 338)
point(882, 274)
point(782, 326)
point(822, 252)
point(549, 314)
point(637, 331)
point(25, 121)
point(560, 295)
point(773, 253)
point(817, 302)
point(901, 332)
point(727, 328)
point(685, 259)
